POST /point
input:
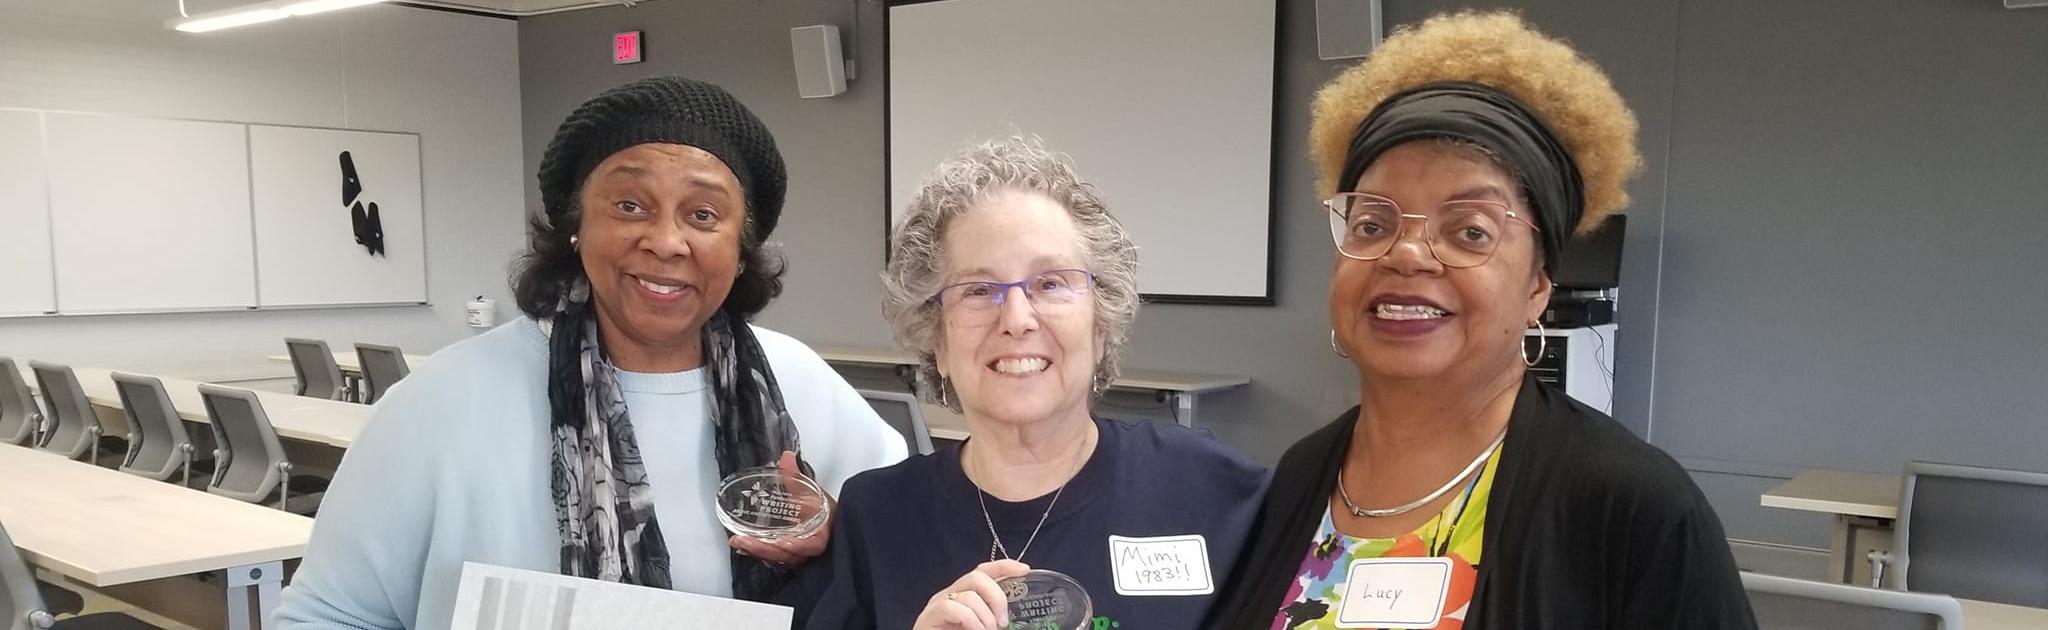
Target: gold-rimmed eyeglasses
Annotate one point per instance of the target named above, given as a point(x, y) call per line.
point(1461, 234)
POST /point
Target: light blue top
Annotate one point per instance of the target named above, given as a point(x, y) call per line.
point(454, 467)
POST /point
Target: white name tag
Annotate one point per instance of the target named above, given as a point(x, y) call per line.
point(1161, 565)
point(1394, 593)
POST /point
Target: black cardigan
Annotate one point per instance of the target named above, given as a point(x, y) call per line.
point(1587, 527)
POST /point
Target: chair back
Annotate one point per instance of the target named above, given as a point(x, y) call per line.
point(902, 412)
point(383, 367)
point(20, 416)
point(1783, 603)
point(1973, 532)
point(74, 428)
point(246, 466)
point(313, 364)
point(21, 602)
point(163, 448)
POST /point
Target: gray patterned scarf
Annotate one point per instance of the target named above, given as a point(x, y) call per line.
point(604, 509)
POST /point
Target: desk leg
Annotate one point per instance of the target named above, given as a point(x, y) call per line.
point(264, 581)
point(1842, 550)
point(1184, 408)
point(1853, 538)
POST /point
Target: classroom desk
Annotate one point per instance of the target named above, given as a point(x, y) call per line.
point(1863, 506)
point(943, 423)
point(104, 528)
point(1180, 388)
point(329, 422)
point(348, 362)
point(1989, 616)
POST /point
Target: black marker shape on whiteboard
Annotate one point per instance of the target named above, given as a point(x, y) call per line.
point(351, 185)
point(369, 228)
point(365, 222)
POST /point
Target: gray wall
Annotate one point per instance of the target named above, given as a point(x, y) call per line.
point(1830, 250)
point(1853, 244)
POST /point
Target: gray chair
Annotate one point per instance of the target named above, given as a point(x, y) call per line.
point(21, 420)
point(74, 428)
point(249, 461)
point(21, 596)
point(314, 365)
point(1783, 603)
point(1975, 533)
point(23, 599)
point(912, 426)
point(163, 447)
point(383, 366)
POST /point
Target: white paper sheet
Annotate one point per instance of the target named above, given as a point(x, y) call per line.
point(500, 598)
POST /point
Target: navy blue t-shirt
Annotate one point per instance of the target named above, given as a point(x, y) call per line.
point(907, 531)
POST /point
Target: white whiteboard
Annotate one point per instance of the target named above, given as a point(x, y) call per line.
point(117, 214)
point(25, 283)
point(149, 214)
point(307, 250)
point(1167, 105)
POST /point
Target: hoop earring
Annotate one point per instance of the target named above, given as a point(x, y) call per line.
point(1337, 348)
point(1542, 345)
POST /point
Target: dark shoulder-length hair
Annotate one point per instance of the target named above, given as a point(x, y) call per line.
point(551, 265)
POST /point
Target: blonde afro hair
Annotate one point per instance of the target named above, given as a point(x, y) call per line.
point(1566, 90)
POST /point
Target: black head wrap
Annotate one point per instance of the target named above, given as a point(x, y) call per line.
point(1485, 116)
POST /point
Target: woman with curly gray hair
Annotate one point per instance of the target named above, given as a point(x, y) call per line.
point(1016, 289)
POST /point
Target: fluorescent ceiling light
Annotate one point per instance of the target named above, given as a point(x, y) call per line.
point(227, 19)
point(258, 13)
point(309, 7)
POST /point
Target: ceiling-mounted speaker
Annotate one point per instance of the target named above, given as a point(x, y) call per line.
point(820, 64)
point(1347, 28)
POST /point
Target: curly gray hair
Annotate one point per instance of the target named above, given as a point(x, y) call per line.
point(982, 171)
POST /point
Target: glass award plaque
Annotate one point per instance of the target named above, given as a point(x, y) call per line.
point(1047, 600)
point(768, 503)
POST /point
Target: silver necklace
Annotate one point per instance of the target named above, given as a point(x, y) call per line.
point(1426, 499)
point(995, 544)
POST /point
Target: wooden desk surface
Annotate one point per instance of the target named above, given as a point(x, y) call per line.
point(347, 360)
point(104, 527)
point(1177, 381)
point(867, 356)
point(329, 422)
point(1989, 616)
point(1153, 380)
point(1837, 492)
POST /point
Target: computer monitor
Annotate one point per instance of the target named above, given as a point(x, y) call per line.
point(1593, 261)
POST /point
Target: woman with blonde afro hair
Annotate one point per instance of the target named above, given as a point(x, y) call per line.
point(1457, 162)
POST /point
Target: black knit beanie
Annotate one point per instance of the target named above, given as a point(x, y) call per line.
point(671, 110)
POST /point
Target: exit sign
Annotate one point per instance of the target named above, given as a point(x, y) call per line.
point(626, 47)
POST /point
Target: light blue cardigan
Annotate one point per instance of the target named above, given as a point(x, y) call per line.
point(454, 467)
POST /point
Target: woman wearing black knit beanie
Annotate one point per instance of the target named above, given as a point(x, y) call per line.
point(524, 446)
